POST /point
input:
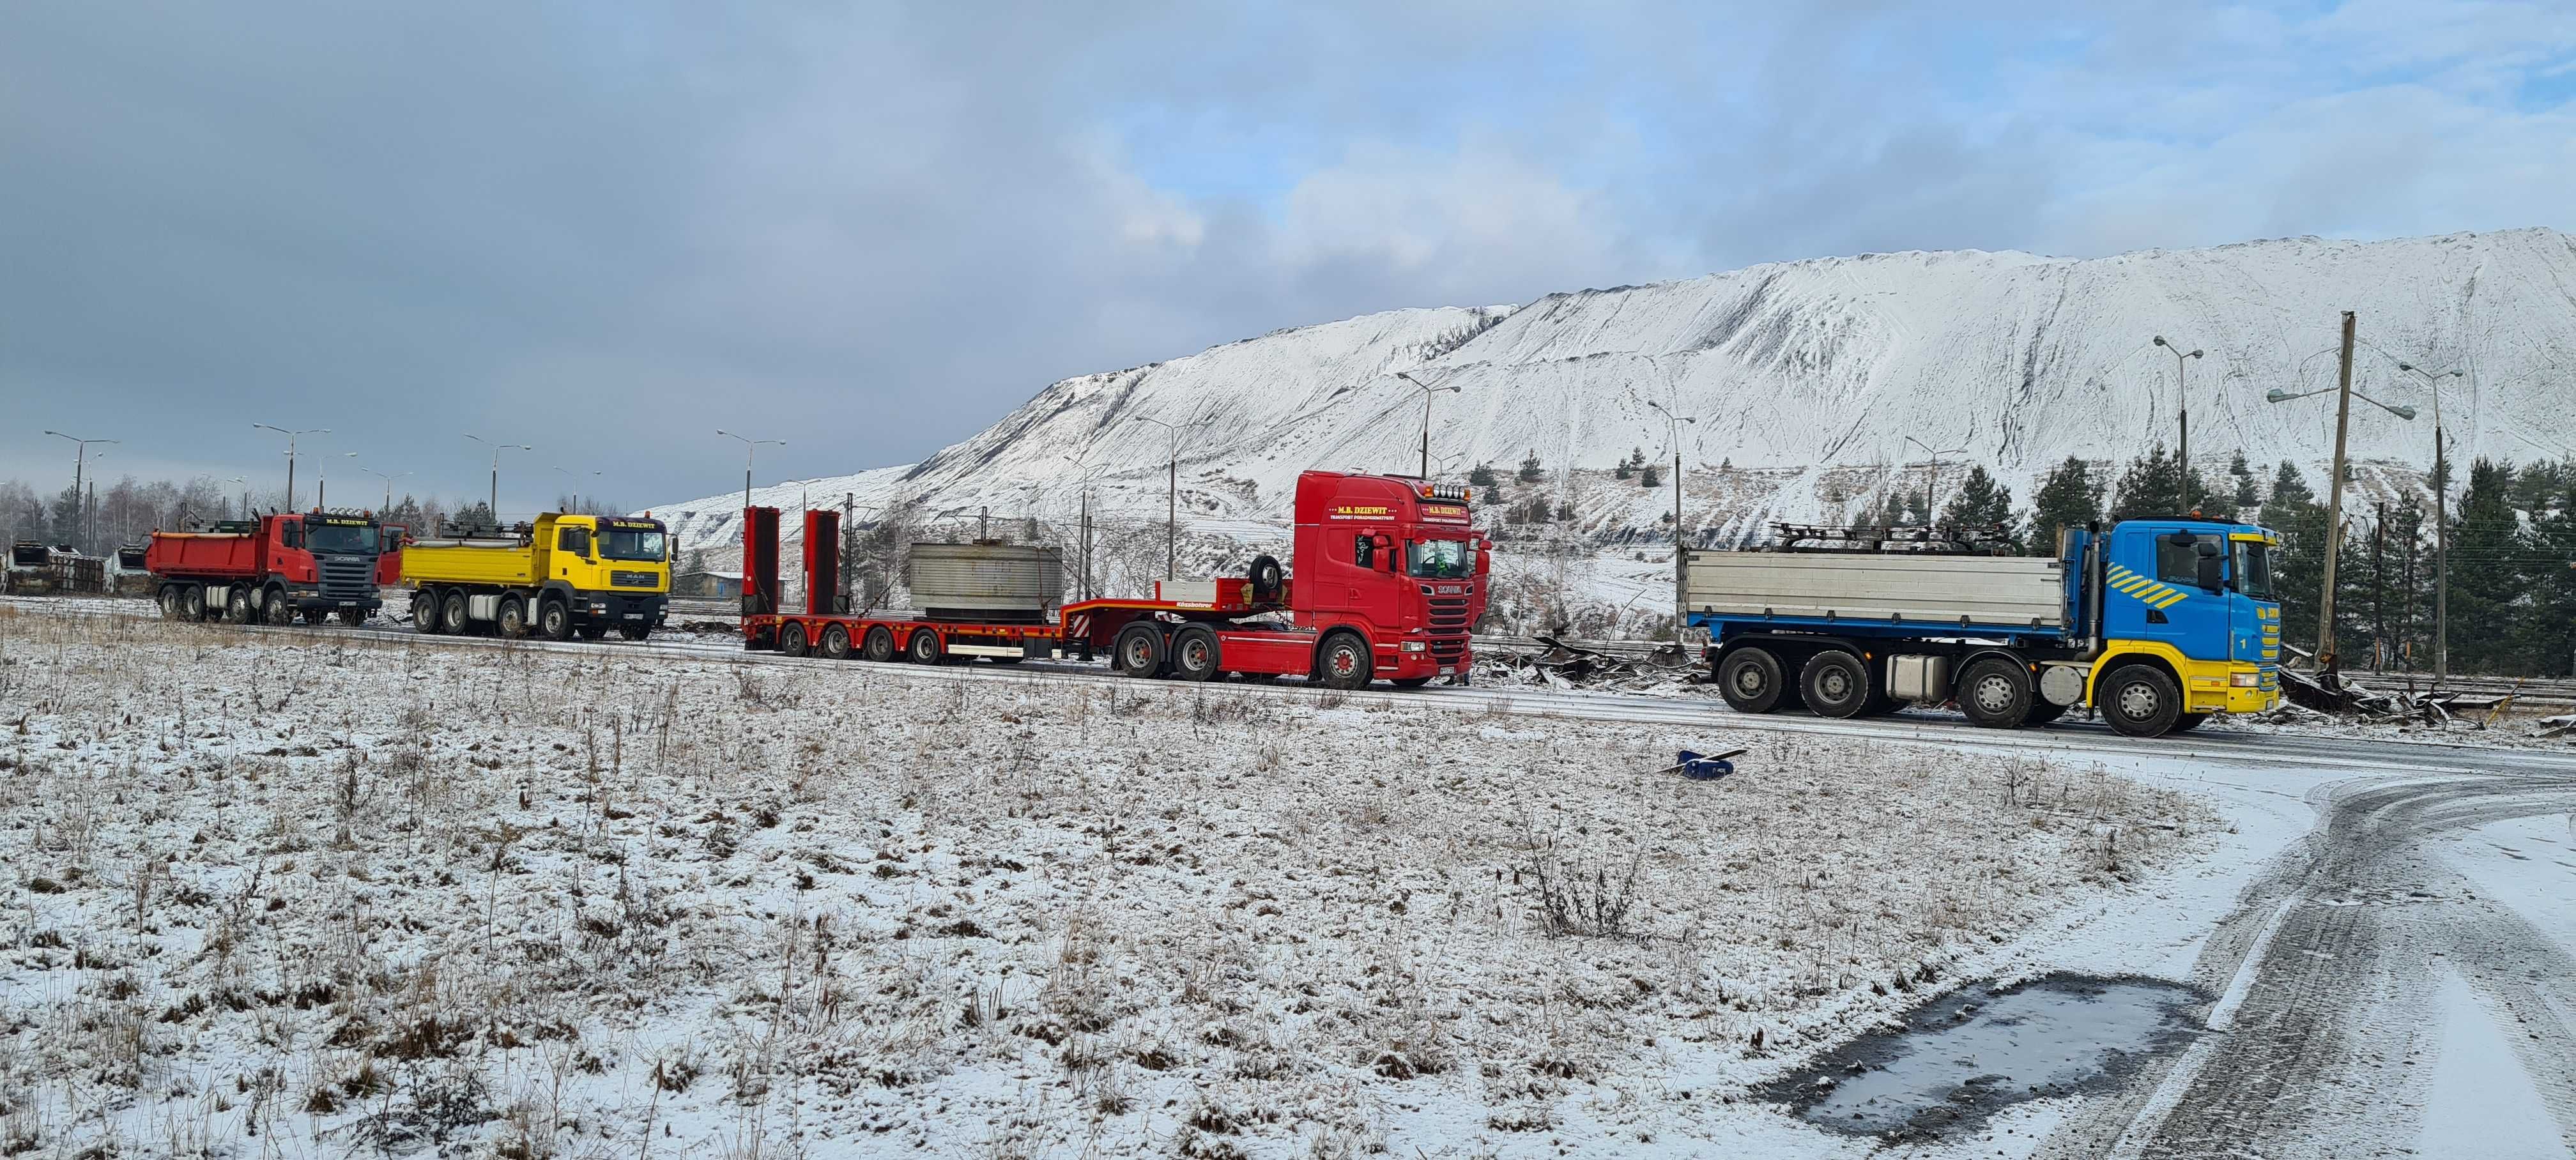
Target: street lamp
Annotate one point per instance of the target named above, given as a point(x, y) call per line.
point(389, 485)
point(749, 445)
point(1172, 496)
point(497, 448)
point(1427, 391)
point(2182, 389)
point(80, 461)
point(245, 512)
point(1681, 589)
point(575, 476)
point(290, 454)
point(322, 481)
point(1932, 487)
point(2441, 526)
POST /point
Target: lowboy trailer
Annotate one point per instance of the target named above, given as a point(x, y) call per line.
point(2156, 624)
point(1389, 575)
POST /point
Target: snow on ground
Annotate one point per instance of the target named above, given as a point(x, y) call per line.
point(324, 896)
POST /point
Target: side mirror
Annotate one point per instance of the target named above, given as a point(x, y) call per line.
point(1382, 541)
point(2213, 567)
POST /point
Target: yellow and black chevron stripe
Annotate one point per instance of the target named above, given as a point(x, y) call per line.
point(2145, 588)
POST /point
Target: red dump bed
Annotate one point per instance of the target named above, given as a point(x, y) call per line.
point(204, 555)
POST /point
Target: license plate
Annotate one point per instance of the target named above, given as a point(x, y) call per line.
point(634, 616)
point(1448, 670)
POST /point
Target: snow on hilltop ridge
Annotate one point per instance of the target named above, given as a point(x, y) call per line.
point(1799, 367)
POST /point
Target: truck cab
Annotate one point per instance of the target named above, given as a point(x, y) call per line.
point(617, 570)
point(1398, 559)
point(2193, 597)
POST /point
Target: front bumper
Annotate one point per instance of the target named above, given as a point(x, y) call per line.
point(1423, 657)
point(314, 599)
point(2224, 691)
point(622, 608)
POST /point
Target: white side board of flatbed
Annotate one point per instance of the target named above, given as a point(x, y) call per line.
point(1994, 591)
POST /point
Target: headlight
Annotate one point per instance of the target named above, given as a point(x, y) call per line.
point(1413, 646)
point(2245, 680)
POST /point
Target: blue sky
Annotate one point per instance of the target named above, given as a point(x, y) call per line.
point(608, 228)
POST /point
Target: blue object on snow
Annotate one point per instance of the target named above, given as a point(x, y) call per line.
point(1702, 767)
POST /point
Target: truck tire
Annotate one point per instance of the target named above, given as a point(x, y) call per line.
point(1997, 694)
point(836, 642)
point(1195, 655)
point(1836, 684)
point(451, 615)
point(278, 611)
point(1139, 652)
point(1344, 662)
point(925, 649)
point(791, 638)
point(512, 619)
point(1265, 577)
point(192, 603)
point(1751, 680)
point(880, 645)
point(172, 603)
point(237, 605)
point(635, 632)
point(554, 618)
point(424, 611)
point(2140, 700)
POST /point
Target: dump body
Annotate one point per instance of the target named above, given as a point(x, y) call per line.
point(1389, 576)
point(2156, 624)
point(559, 576)
point(270, 569)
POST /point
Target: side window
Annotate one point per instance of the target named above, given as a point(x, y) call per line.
point(1363, 551)
point(2179, 564)
point(574, 540)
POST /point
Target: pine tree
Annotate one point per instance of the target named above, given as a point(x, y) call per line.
point(1918, 510)
point(1530, 471)
point(2551, 632)
point(2299, 568)
point(2152, 486)
point(1482, 475)
point(2490, 575)
point(1623, 470)
point(1982, 506)
point(1891, 510)
point(1650, 476)
point(2068, 498)
point(2245, 497)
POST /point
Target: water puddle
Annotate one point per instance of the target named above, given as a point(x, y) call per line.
point(1962, 1056)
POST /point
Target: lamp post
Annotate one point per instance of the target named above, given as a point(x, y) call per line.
point(2441, 526)
point(290, 454)
point(575, 476)
point(2182, 414)
point(80, 462)
point(322, 480)
point(1427, 391)
point(749, 445)
point(245, 512)
point(2334, 491)
point(1681, 588)
point(494, 503)
point(389, 485)
point(1172, 495)
point(1932, 487)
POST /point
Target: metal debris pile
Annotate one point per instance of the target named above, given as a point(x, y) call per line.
point(2336, 694)
point(2561, 726)
point(1560, 665)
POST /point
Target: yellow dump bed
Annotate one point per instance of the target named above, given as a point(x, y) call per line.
point(494, 561)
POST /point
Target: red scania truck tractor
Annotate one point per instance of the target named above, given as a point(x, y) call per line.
point(269, 569)
point(1387, 576)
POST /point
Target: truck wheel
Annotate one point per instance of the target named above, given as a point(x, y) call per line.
point(1265, 578)
point(1139, 652)
point(1996, 693)
point(836, 643)
point(554, 620)
point(172, 603)
point(424, 611)
point(192, 603)
point(791, 639)
point(1751, 681)
point(635, 631)
point(512, 619)
point(451, 615)
point(1836, 684)
point(1194, 654)
point(880, 645)
point(1345, 662)
point(2187, 722)
point(2141, 701)
point(237, 605)
point(925, 648)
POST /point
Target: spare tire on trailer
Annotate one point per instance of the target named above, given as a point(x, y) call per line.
point(1266, 578)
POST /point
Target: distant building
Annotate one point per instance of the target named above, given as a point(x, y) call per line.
point(709, 584)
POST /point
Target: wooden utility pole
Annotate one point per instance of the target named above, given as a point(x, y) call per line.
point(2334, 501)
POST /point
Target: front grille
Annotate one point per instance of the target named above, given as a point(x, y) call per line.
point(634, 580)
point(1449, 648)
point(1449, 612)
point(347, 577)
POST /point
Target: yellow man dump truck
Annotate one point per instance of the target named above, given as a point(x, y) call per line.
point(563, 574)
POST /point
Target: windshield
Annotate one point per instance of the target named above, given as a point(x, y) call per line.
point(345, 539)
point(1440, 559)
point(2254, 569)
point(622, 544)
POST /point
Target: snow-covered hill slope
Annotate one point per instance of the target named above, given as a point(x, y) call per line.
point(1809, 379)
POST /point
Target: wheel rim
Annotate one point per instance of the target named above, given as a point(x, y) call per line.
point(2138, 700)
point(1345, 660)
point(1194, 655)
point(836, 641)
point(1834, 684)
point(925, 647)
point(1138, 653)
point(1749, 680)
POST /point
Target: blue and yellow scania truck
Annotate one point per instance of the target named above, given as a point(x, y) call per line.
point(2155, 624)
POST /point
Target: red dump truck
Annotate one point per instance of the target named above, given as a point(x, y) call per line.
point(1388, 577)
point(269, 569)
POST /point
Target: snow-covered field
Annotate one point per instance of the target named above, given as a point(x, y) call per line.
point(281, 896)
